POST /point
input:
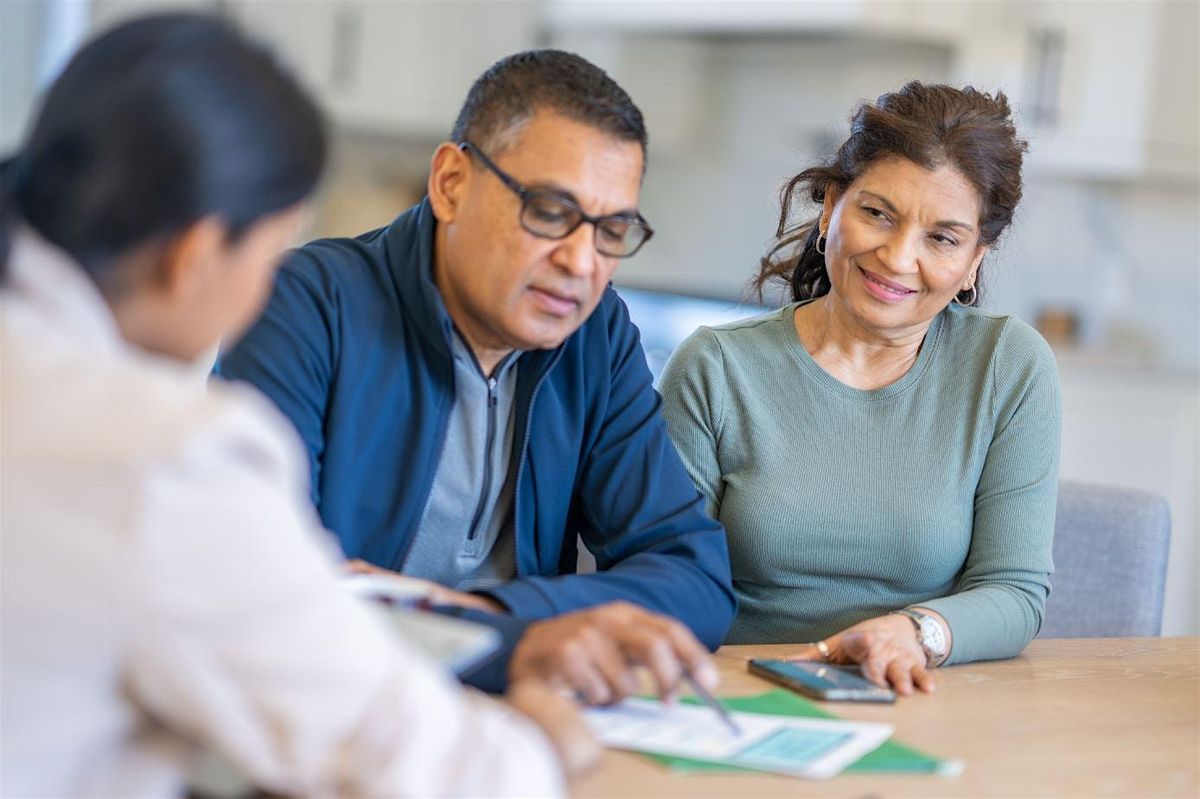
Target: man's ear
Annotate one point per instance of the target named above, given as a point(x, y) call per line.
point(188, 261)
point(449, 173)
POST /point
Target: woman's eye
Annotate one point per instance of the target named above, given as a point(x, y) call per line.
point(875, 212)
point(944, 240)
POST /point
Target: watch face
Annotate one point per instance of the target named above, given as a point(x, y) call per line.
point(932, 636)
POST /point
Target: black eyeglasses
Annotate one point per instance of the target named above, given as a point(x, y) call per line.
point(549, 216)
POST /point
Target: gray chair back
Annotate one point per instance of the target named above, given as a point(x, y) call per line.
point(1110, 561)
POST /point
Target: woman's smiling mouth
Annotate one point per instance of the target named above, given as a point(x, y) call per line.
point(884, 289)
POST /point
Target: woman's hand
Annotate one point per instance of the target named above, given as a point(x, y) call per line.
point(887, 649)
point(576, 747)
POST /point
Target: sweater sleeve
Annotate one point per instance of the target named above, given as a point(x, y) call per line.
point(691, 391)
point(248, 642)
point(1000, 595)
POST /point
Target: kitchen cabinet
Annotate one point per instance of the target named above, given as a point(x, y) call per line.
point(1094, 91)
point(703, 16)
point(304, 35)
point(400, 68)
point(107, 13)
point(665, 75)
point(927, 20)
point(689, 63)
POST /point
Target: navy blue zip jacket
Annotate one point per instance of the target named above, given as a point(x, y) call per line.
point(353, 347)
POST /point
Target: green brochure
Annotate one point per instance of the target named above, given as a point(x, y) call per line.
point(890, 758)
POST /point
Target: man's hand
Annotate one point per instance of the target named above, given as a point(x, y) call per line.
point(437, 594)
point(887, 649)
point(594, 652)
point(559, 719)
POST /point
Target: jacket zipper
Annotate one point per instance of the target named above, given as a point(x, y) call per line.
point(489, 442)
point(521, 463)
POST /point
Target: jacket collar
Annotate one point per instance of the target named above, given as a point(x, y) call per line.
point(410, 240)
point(410, 259)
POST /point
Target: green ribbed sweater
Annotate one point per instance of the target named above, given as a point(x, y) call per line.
point(842, 504)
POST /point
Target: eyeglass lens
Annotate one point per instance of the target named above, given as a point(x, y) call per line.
point(552, 217)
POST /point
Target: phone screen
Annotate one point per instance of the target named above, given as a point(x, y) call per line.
point(822, 680)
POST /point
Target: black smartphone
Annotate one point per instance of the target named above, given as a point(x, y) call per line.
point(822, 680)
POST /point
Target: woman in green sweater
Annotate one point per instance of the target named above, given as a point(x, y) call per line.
point(882, 453)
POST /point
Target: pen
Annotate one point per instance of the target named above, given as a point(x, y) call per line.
point(712, 702)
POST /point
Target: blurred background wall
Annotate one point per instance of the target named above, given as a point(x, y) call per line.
point(1104, 256)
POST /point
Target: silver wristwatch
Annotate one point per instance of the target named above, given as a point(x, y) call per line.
point(930, 635)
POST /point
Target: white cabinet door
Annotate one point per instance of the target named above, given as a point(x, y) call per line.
point(302, 33)
point(1104, 89)
point(1096, 108)
point(418, 59)
point(392, 66)
point(106, 13)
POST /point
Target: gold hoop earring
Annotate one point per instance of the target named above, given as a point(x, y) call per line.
point(974, 296)
point(821, 243)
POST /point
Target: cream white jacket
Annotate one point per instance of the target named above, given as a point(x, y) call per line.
point(165, 582)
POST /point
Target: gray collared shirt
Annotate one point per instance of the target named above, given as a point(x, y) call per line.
point(465, 538)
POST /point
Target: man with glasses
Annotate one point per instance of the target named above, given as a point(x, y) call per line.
point(473, 395)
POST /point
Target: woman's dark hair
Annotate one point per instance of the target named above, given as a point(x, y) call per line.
point(155, 124)
point(930, 125)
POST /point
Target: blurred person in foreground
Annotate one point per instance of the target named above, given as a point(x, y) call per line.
point(882, 452)
point(474, 397)
point(165, 582)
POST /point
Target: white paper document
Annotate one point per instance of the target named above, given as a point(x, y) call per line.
point(801, 747)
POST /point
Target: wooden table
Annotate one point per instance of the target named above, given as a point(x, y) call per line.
point(1069, 718)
